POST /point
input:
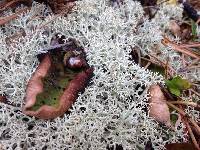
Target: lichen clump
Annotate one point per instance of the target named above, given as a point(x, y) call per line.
point(112, 110)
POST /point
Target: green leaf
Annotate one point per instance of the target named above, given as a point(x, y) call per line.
point(173, 118)
point(194, 29)
point(177, 84)
point(175, 91)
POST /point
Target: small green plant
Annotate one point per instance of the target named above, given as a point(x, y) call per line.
point(177, 84)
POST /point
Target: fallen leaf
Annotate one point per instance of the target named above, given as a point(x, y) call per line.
point(49, 99)
point(158, 109)
point(62, 73)
point(177, 84)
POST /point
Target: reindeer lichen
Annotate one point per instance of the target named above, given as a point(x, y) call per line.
point(111, 111)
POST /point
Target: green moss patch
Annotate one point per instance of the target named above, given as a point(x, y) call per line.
point(54, 86)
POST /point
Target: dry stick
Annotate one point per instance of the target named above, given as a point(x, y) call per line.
point(194, 62)
point(4, 6)
point(163, 63)
point(192, 135)
point(166, 68)
point(176, 47)
point(159, 3)
point(189, 45)
point(4, 20)
point(195, 92)
point(193, 67)
point(190, 65)
point(185, 103)
point(147, 65)
point(185, 115)
point(182, 117)
point(189, 130)
point(154, 62)
point(183, 60)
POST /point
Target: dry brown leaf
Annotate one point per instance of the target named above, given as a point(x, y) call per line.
point(35, 87)
point(158, 109)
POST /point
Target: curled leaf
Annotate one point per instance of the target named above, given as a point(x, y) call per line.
point(158, 108)
point(61, 75)
point(51, 108)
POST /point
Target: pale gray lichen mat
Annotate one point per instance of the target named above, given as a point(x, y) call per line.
point(111, 111)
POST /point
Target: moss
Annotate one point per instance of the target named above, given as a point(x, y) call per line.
point(173, 118)
point(54, 88)
point(155, 68)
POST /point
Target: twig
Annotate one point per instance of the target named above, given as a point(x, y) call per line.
point(4, 20)
point(195, 92)
point(192, 135)
point(166, 68)
point(185, 115)
point(163, 63)
point(189, 66)
point(183, 60)
point(58, 46)
point(147, 65)
point(176, 47)
point(159, 3)
point(185, 103)
point(194, 62)
point(155, 62)
point(190, 45)
point(167, 94)
point(194, 67)
point(5, 5)
point(194, 141)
